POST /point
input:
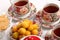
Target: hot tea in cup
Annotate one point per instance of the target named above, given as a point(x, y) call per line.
point(56, 33)
point(20, 7)
point(49, 13)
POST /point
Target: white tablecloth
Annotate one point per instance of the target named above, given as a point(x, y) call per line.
point(5, 4)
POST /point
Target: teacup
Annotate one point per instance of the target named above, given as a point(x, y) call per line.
point(49, 13)
point(53, 34)
point(56, 33)
point(20, 7)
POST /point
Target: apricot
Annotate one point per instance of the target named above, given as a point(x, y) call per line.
point(14, 29)
point(22, 31)
point(19, 25)
point(15, 35)
point(30, 28)
point(29, 21)
point(35, 32)
point(20, 36)
point(27, 33)
point(35, 26)
point(25, 24)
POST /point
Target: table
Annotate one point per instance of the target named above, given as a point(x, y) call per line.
point(5, 4)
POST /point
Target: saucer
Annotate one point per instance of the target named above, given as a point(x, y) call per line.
point(31, 13)
point(45, 25)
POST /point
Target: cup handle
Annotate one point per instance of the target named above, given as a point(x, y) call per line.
point(48, 35)
point(58, 13)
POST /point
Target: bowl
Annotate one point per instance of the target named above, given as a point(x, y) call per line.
point(39, 30)
point(33, 36)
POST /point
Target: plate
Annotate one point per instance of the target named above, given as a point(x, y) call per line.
point(2, 31)
point(39, 33)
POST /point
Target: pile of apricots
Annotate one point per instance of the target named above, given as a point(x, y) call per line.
point(24, 28)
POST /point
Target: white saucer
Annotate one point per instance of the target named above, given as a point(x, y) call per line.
point(30, 14)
